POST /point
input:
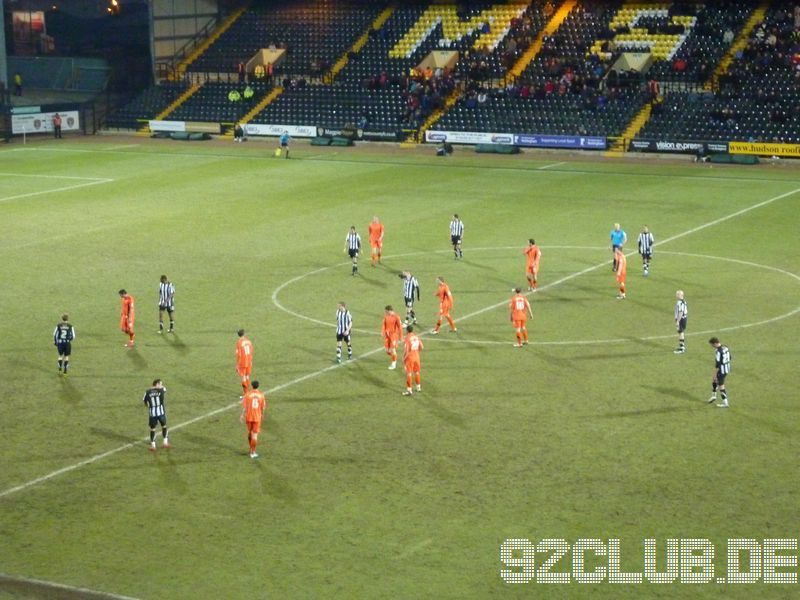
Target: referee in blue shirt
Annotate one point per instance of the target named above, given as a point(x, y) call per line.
point(618, 239)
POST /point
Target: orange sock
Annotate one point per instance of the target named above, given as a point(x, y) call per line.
point(438, 324)
point(519, 338)
point(525, 333)
point(417, 378)
point(452, 323)
point(132, 336)
point(621, 288)
point(408, 380)
point(534, 284)
point(394, 356)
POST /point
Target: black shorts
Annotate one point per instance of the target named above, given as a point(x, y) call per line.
point(284, 144)
point(170, 308)
point(342, 337)
point(682, 325)
point(647, 255)
point(153, 421)
point(409, 302)
point(64, 348)
point(352, 252)
point(455, 239)
point(720, 377)
point(615, 247)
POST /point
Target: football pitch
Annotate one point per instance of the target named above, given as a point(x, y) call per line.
point(594, 431)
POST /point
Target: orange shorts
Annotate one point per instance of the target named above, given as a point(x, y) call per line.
point(411, 366)
point(444, 309)
point(621, 278)
point(244, 371)
point(519, 323)
point(123, 325)
point(533, 269)
point(254, 426)
point(389, 343)
point(376, 244)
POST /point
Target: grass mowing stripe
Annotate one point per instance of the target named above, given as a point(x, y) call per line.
point(448, 165)
point(49, 587)
point(319, 372)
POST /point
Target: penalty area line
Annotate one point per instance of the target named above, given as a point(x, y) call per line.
point(60, 189)
point(319, 372)
point(50, 587)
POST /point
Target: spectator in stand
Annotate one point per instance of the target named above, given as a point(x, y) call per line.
point(727, 37)
point(17, 84)
point(679, 65)
point(241, 69)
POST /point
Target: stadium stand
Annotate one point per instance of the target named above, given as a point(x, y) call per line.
point(565, 90)
point(314, 35)
point(758, 98)
point(210, 104)
point(147, 104)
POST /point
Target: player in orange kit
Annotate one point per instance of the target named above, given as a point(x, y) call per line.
point(411, 349)
point(445, 305)
point(244, 359)
point(621, 271)
point(532, 270)
point(392, 332)
point(253, 405)
point(127, 317)
point(518, 310)
point(376, 239)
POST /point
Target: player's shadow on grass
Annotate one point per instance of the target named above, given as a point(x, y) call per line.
point(207, 386)
point(672, 392)
point(69, 393)
point(374, 282)
point(114, 436)
point(272, 482)
point(472, 263)
point(365, 374)
point(168, 471)
point(438, 410)
point(138, 361)
point(174, 341)
point(206, 442)
point(644, 412)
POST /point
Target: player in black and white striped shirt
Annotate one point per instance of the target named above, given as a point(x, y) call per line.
point(681, 313)
point(410, 290)
point(646, 242)
point(344, 324)
point(166, 302)
point(456, 234)
point(63, 335)
point(154, 400)
point(352, 245)
point(722, 367)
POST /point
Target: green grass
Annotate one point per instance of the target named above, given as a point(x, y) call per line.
point(361, 492)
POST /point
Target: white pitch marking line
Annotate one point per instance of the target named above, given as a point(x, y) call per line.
point(40, 176)
point(286, 284)
point(545, 167)
point(313, 374)
point(121, 146)
point(61, 189)
point(60, 586)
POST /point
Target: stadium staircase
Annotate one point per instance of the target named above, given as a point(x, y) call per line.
point(359, 44)
point(449, 102)
point(617, 146)
point(738, 44)
point(206, 44)
point(551, 27)
point(145, 130)
point(262, 104)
